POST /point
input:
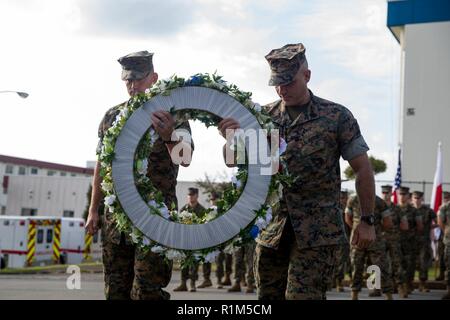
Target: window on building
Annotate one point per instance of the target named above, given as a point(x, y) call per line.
point(51, 173)
point(68, 213)
point(9, 169)
point(22, 171)
point(34, 171)
point(40, 236)
point(49, 235)
point(3, 211)
point(73, 174)
point(63, 174)
point(29, 212)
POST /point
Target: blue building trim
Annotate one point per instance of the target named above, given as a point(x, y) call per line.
point(402, 12)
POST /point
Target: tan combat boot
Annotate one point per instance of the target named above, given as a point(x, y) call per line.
point(403, 291)
point(227, 281)
point(339, 286)
point(250, 289)
point(193, 289)
point(206, 283)
point(447, 295)
point(355, 295)
point(235, 288)
point(388, 296)
point(423, 287)
point(375, 293)
point(182, 286)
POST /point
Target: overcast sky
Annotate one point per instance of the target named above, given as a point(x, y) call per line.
point(64, 54)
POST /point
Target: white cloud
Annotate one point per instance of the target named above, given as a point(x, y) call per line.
point(64, 53)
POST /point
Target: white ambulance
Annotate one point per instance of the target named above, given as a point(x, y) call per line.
point(27, 241)
point(72, 240)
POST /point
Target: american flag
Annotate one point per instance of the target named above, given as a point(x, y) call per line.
point(398, 176)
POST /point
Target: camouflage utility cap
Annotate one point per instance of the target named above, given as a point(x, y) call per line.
point(137, 65)
point(285, 63)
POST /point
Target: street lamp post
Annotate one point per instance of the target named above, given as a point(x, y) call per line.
point(19, 93)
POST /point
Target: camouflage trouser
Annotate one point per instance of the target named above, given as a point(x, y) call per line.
point(190, 273)
point(425, 257)
point(441, 255)
point(131, 273)
point(227, 259)
point(342, 262)
point(292, 273)
point(409, 257)
point(447, 263)
point(243, 264)
point(394, 255)
point(206, 268)
point(378, 257)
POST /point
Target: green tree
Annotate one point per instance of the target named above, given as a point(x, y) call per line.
point(209, 186)
point(378, 166)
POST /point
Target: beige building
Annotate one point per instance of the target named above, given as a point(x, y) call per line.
point(422, 28)
point(32, 187)
point(38, 188)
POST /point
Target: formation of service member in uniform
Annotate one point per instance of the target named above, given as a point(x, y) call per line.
point(444, 224)
point(376, 252)
point(408, 241)
point(296, 254)
point(392, 237)
point(343, 263)
point(224, 261)
point(195, 207)
point(425, 253)
point(129, 272)
point(441, 246)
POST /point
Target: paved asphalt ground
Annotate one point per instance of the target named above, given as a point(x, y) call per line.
point(53, 286)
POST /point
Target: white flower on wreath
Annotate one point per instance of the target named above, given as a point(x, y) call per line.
point(236, 182)
point(269, 215)
point(157, 249)
point(198, 256)
point(212, 214)
point(211, 257)
point(107, 186)
point(257, 107)
point(261, 223)
point(185, 215)
point(153, 135)
point(142, 166)
point(165, 213)
point(124, 112)
point(172, 254)
point(146, 241)
point(109, 200)
point(229, 249)
point(134, 235)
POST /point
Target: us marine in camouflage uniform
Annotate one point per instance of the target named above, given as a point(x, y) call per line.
point(425, 253)
point(243, 268)
point(408, 241)
point(296, 254)
point(441, 246)
point(376, 251)
point(343, 255)
point(444, 224)
point(130, 272)
point(192, 272)
point(392, 238)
